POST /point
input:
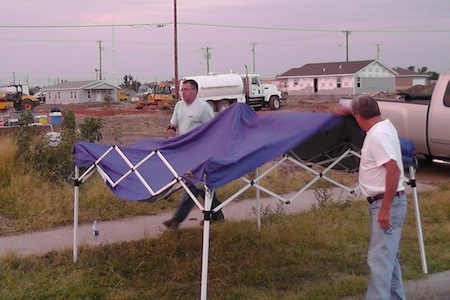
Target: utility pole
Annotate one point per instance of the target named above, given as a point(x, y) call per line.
point(175, 50)
point(347, 33)
point(113, 56)
point(378, 51)
point(100, 69)
point(254, 55)
point(207, 57)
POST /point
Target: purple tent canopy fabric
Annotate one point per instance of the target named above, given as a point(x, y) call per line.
point(229, 146)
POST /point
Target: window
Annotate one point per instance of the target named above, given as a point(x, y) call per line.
point(295, 82)
point(89, 94)
point(338, 82)
point(59, 95)
point(358, 82)
point(322, 84)
point(447, 96)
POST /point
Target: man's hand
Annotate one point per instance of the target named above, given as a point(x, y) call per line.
point(343, 111)
point(384, 217)
point(171, 131)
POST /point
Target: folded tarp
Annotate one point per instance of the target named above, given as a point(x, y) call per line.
point(229, 146)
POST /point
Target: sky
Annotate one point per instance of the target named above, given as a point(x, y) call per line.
point(45, 41)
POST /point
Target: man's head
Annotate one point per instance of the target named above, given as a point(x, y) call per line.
point(365, 106)
point(189, 89)
point(366, 112)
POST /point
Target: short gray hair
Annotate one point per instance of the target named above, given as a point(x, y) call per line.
point(365, 106)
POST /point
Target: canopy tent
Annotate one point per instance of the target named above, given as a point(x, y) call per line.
point(226, 148)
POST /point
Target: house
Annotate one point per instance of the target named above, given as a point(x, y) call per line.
point(405, 79)
point(339, 78)
point(80, 92)
point(143, 88)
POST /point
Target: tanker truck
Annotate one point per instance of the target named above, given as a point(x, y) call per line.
point(222, 90)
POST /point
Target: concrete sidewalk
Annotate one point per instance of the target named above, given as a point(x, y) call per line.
point(434, 286)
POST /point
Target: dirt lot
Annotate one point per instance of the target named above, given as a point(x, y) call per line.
point(124, 123)
point(136, 124)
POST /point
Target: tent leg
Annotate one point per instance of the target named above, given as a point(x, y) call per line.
point(258, 202)
point(418, 221)
point(205, 254)
point(75, 214)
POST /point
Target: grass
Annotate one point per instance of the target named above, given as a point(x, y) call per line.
point(29, 202)
point(318, 254)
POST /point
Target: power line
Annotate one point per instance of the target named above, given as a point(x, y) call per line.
point(160, 25)
point(157, 25)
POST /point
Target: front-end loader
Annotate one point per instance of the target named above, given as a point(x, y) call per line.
point(14, 97)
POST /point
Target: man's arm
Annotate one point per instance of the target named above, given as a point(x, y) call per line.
point(392, 177)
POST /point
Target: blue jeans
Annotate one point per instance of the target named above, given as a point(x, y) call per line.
point(186, 203)
point(385, 274)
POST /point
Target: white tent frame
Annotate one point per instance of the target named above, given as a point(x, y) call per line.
point(209, 195)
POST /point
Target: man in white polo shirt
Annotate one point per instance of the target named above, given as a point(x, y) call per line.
point(188, 115)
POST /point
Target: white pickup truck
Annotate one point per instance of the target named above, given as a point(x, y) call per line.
point(424, 119)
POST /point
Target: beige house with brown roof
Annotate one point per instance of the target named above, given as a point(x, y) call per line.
point(405, 79)
point(339, 78)
point(80, 92)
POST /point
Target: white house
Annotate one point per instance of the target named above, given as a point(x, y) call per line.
point(80, 92)
point(339, 78)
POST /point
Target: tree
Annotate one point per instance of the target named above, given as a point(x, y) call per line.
point(130, 83)
point(422, 70)
point(433, 75)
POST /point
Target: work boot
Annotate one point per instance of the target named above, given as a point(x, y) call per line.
point(216, 217)
point(172, 223)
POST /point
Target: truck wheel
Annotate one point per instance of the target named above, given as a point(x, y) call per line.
point(222, 105)
point(26, 105)
point(274, 103)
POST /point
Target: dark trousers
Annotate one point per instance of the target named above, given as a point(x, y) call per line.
point(186, 203)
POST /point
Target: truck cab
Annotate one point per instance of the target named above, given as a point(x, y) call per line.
point(438, 119)
point(265, 94)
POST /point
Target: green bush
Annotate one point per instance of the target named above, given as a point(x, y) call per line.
point(55, 161)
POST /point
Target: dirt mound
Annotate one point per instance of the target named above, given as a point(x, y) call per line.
point(420, 89)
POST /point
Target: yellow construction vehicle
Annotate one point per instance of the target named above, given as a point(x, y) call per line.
point(14, 97)
point(161, 96)
point(122, 95)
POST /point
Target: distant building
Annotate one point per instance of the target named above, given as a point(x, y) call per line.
point(80, 92)
point(143, 88)
point(405, 79)
point(339, 78)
